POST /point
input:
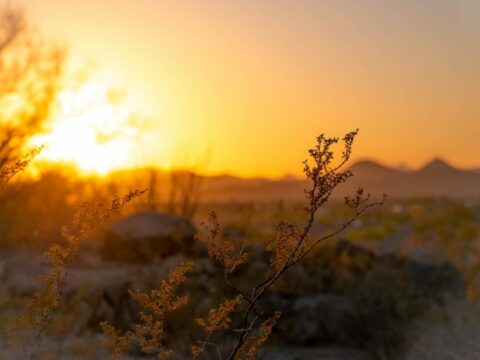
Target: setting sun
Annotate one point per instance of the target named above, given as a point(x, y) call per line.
point(92, 128)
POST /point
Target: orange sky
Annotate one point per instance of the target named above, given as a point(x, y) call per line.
point(254, 82)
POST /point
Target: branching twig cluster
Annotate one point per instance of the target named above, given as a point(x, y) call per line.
point(32, 323)
point(156, 304)
point(292, 244)
point(7, 172)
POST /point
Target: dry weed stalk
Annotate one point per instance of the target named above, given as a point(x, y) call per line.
point(220, 318)
point(227, 252)
point(290, 246)
point(7, 172)
point(156, 304)
point(184, 193)
point(251, 345)
point(32, 323)
point(292, 242)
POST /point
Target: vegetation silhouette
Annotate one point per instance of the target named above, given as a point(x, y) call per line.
point(30, 76)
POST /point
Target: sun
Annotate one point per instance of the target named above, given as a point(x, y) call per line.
point(93, 127)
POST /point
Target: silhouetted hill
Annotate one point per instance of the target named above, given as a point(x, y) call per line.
point(437, 166)
point(367, 169)
point(237, 189)
point(436, 178)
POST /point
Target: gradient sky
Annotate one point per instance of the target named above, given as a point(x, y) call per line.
point(255, 81)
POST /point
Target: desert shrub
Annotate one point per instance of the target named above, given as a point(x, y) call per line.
point(29, 326)
point(361, 299)
point(243, 312)
point(24, 221)
point(30, 74)
point(452, 336)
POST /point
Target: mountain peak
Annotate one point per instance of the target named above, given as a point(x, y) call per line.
point(367, 165)
point(368, 169)
point(438, 164)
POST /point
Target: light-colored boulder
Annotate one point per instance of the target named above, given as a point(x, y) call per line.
point(145, 237)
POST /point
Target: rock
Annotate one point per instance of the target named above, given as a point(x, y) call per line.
point(324, 316)
point(317, 319)
point(102, 294)
point(96, 295)
point(21, 270)
point(145, 237)
point(442, 280)
point(354, 297)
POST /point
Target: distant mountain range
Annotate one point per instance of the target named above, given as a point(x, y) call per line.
point(437, 178)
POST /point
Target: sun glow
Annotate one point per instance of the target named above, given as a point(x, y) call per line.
point(93, 128)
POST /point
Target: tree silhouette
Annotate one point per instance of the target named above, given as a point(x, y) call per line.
point(30, 74)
